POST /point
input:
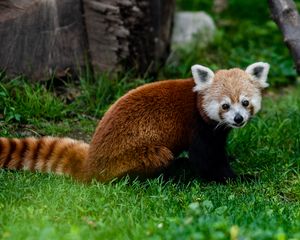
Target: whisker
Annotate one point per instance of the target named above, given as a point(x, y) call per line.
point(220, 124)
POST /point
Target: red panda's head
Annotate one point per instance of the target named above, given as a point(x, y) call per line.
point(231, 97)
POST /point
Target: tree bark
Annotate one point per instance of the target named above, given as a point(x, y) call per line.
point(129, 34)
point(40, 38)
point(286, 16)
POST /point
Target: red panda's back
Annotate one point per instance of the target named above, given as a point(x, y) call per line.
point(158, 114)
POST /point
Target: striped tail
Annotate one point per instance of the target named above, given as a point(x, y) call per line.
point(46, 154)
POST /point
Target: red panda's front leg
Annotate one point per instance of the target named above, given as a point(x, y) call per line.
point(208, 158)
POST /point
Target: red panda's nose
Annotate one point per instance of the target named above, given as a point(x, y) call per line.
point(238, 118)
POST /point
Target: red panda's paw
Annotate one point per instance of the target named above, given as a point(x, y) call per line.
point(154, 160)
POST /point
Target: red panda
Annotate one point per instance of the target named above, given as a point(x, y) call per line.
point(145, 130)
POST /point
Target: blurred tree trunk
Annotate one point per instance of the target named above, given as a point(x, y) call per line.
point(40, 38)
point(286, 16)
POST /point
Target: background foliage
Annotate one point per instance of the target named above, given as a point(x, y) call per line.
point(246, 34)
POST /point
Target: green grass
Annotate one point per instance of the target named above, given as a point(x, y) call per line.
point(45, 206)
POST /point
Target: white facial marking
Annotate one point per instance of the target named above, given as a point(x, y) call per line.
point(256, 102)
point(234, 110)
point(243, 97)
point(226, 100)
point(212, 109)
point(203, 77)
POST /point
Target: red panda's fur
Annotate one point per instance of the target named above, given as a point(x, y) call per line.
point(144, 130)
point(141, 134)
point(46, 154)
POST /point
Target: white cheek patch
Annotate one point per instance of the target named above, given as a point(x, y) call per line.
point(256, 102)
point(243, 97)
point(212, 109)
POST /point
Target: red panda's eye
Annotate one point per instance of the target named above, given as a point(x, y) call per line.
point(225, 106)
point(245, 103)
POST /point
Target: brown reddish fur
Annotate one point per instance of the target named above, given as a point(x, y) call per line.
point(144, 130)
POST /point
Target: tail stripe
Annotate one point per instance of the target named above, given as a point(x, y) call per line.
point(47, 156)
point(72, 165)
point(59, 157)
point(12, 147)
point(22, 154)
point(35, 154)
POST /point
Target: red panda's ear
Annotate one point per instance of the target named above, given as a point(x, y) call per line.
point(259, 72)
point(203, 77)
